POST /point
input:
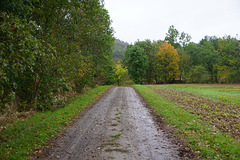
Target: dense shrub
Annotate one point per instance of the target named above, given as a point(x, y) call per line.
point(50, 48)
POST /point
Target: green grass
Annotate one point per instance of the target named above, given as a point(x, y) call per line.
point(221, 92)
point(116, 136)
point(201, 137)
point(22, 138)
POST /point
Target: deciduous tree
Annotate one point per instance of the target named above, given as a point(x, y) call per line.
point(136, 63)
point(120, 74)
point(167, 62)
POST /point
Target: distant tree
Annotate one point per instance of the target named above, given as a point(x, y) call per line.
point(177, 39)
point(222, 73)
point(198, 74)
point(172, 36)
point(167, 62)
point(136, 63)
point(228, 68)
point(184, 39)
point(149, 50)
point(229, 49)
point(120, 74)
point(184, 63)
point(205, 55)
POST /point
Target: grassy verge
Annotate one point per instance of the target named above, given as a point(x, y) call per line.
point(21, 138)
point(221, 92)
point(204, 139)
point(223, 116)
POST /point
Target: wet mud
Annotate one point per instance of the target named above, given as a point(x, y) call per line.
point(119, 126)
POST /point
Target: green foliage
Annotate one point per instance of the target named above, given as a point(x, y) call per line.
point(21, 138)
point(25, 62)
point(120, 74)
point(184, 62)
point(219, 56)
point(49, 48)
point(172, 36)
point(150, 50)
point(136, 63)
point(175, 40)
point(198, 74)
point(234, 76)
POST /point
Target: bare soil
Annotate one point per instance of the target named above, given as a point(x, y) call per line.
point(118, 126)
point(222, 116)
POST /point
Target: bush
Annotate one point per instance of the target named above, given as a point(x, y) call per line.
point(23, 59)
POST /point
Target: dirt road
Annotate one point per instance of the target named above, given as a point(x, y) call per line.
point(118, 126)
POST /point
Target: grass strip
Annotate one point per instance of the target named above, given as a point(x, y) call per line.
point(21, 138)
point(202, 138)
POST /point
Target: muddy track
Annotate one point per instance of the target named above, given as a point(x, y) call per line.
point(118, 126)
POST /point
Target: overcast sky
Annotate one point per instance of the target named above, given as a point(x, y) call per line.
point(150, 19)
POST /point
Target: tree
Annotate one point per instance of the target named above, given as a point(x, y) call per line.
point(149, 50)
point(184, 39)
point(136, 63)
point(223, 73)
point(172, 36)
point(49, 48)
point(198, 74)
point(184, 62)
point(205, 55)
point(167, 62)
point(229, 49)
point(120, 74)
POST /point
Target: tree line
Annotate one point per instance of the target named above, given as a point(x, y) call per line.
point(49, 49)
point(119, 49)
point(176, 59)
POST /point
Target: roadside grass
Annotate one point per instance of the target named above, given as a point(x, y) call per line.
point(222, 92)
point(22, 138)
point(224, 116)
point(202, 138)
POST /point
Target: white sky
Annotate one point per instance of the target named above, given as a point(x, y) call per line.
point(150, 19)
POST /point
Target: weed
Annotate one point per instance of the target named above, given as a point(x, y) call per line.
point(116, 150)
point(116, 136)
point(114, 124)
point(118, 113)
